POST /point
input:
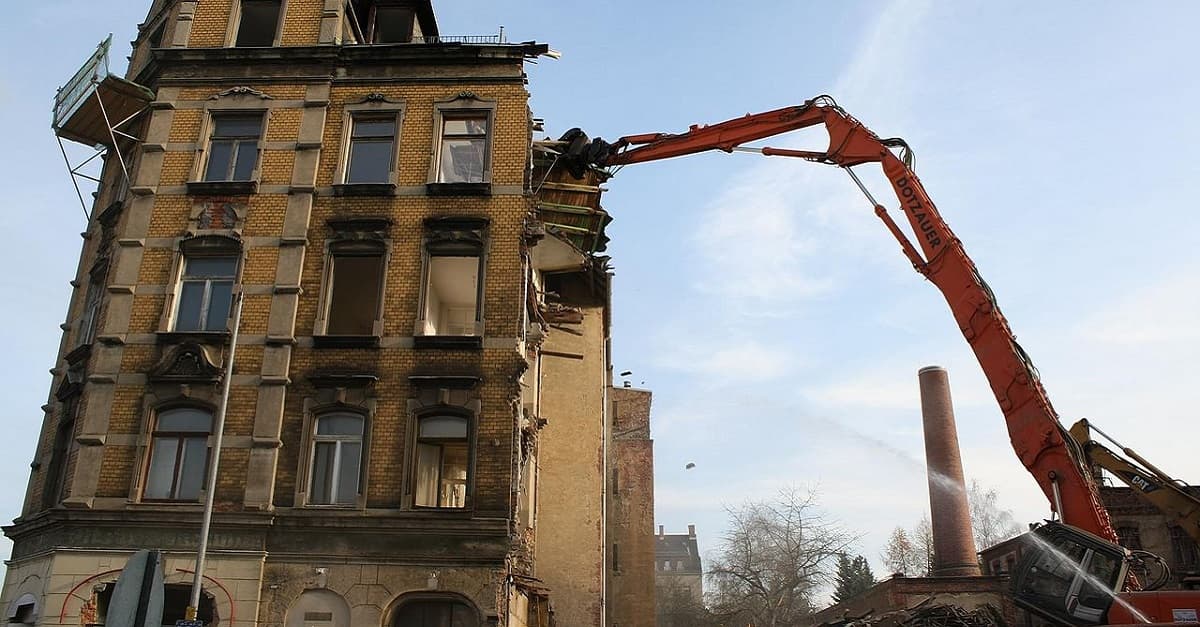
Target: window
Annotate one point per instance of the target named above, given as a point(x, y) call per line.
point(233, 147)
point(1183, 549)
point(451, 296)
point(1130, 537)
point(258, 23)
point(336, 459)
point(54, 488)
point(435, 614)
point(442, 461)
point(391, 24)
point(355, 289)
point(178, 455)
point(372, 145)
point(462, 153)
point(205, 293)
point(91, 308)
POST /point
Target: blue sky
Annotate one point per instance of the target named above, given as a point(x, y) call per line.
point(775, 320)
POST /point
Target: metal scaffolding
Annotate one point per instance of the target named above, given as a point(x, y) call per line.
point(91, 109)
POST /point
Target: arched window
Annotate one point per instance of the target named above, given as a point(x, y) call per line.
point(436, 613)
point(336, 459)
point(178, 454)
point(443, 453)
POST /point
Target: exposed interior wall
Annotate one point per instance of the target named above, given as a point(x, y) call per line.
point(570, 553)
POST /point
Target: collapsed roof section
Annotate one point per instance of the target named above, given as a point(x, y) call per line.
point(567, 186)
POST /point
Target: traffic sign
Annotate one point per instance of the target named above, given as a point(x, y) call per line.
point(137, 601)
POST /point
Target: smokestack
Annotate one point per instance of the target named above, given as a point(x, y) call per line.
point(953, 542)
point(691, 531)
point(661, 533)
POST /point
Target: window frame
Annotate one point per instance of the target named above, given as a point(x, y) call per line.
point(415, 457)
point(452, 237)
point(315, 438)
point(374, 106)
point(180, 436)
point(214, 118)
point(372, 31)
point(352, 248)
point(235, 25)
point(205, 302)
point(466, 104)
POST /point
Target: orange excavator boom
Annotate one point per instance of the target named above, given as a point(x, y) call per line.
point(1037, 436)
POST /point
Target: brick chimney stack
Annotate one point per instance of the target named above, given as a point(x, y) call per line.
point(661, 533)
point(953, 542)
point(691, 531)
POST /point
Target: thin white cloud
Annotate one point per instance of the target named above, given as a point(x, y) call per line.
point(737, 361)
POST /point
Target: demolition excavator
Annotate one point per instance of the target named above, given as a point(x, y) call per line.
point(1072, 570)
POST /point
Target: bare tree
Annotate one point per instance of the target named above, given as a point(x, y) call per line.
point(901, 556)
point(773, 559)
point(922, 536)
point(990, 523)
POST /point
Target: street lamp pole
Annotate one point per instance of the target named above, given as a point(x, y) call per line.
point(211, 487)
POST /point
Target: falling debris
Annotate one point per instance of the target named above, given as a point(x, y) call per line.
point(690, 465)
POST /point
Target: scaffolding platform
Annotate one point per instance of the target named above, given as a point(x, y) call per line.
point(92, 108)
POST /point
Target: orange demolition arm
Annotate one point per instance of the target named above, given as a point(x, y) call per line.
point(1037, 436)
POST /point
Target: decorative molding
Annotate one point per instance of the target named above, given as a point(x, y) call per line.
point(342, 379)
point(365, 228)
point(241, 90)
point(187, 363)
point(378, 97)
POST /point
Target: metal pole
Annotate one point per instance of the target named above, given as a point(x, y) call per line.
point(211, 488)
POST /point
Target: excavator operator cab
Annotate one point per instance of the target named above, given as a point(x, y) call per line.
point(1068, 575)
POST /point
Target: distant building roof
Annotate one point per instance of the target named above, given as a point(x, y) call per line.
point(679, 547)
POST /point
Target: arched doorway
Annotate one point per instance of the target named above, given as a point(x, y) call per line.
point(435, 612)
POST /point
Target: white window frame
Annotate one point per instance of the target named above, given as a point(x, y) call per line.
point(338, 441)
point(468, 441)
point(343, 248)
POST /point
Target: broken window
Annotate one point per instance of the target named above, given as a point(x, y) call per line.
point(372, 146)
point(451, 295)
point(336, 459)
point(233, 147)
point(1183, 549)
point(442, 461)
point(435, 613)
point(390, 24)
point(205, 293)
point(258, 23)
point(463, 148)
point(178, 454)
point(452, 289)
point(354, 288)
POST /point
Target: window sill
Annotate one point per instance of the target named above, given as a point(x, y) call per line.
point(458, 189)
point(346, 341)
point(79, 354)
point(222, 188)
point(197, 337)
point(451, 342)
point(364, 189)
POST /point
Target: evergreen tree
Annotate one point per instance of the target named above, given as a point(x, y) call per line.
point(853, 577)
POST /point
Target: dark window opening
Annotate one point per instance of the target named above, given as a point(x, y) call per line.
point(1184, 550)
point(391, 25)
point(156, 36)
point(616, 563)
point(176, 597)
point(356, 287)
point(435, 614)
point(259, 23)
point(372, 143)
point(233, 147)
point(54, 489)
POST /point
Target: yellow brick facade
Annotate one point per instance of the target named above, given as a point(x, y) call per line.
point(382, 551)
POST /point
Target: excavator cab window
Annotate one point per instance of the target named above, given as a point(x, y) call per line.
point(1068, 575)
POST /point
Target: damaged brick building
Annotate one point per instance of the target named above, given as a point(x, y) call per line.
point(418, 418)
